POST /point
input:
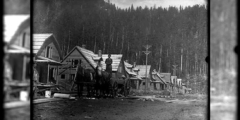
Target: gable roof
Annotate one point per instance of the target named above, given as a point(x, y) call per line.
point(142, 70)
point(128, 67)
point(13, 27)
point(43, 39)
point(166, 77)
point(156, 76)
point(116, 60)
point(87, 54)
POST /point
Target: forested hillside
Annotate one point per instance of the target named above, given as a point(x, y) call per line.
point(103, 26)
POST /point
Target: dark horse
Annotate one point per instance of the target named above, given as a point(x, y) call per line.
point(103, 82)
point(84, 77)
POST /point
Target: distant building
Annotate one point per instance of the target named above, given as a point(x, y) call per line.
point(158, 81)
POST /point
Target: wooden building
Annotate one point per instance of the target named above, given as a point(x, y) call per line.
point(17, 50)
point(89, 60)
point(158, 82)
point(17, 57)
point(167, 78)
point(47, 55)
point(140, 70)
point(70, 61)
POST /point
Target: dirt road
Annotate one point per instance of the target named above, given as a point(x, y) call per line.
point(121, 109)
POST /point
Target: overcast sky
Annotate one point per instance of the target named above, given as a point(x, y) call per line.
point(158, 3)
point(11, 24)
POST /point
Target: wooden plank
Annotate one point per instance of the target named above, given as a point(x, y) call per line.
point(38, 101)
point(48, 74)
point(16, 104)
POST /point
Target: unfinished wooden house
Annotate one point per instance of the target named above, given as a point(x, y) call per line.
point(16, 58)
point(17, 50)
point(47, 55)
point(70, 61)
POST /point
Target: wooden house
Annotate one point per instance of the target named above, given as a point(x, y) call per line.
point(167, 78)
point(47, 55)
point(70, 61)
point(140, 70)
point(158, 81)
point(17, 49)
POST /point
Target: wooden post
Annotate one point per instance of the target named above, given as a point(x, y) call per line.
point(24, 68)
point(48, 74)
point(57, 76)
point(137, 84)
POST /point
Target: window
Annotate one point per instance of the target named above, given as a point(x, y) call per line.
point(48, 52)
point(62, 76)
point(72, 76)
point(75, 62)
point(23, 39)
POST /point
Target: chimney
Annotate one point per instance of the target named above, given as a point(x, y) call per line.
point(84, 46)
point(99, 53)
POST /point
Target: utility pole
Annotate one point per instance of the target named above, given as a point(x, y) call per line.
point(146, 52)
point(174, 74)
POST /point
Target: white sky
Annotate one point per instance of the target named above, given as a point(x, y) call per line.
point(159, 3)
point(11, 24)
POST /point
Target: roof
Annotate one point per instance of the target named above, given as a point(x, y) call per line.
point(47, 60)
point(87, 54)
point(166, 77)
point(116, 60)
point(142, 70)
point(13, 27)
point(17, 49)
point(68, 71)
point(128, 65)
point(127, 68)
point(38, 40)
point(42, 39)
point(157, 77)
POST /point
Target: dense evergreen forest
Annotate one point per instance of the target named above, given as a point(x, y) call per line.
point(103, 26)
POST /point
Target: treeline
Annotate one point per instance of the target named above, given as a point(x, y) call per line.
point(103, 26)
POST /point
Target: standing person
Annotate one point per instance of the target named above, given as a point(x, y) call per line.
point(98, 71)
point(108, 62)
point(35, 74)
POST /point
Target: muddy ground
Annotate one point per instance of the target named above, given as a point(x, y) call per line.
point(20, 113)
point(184, 108)
point(223, 108)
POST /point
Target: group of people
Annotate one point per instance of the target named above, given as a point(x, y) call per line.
point(99, 67)
point(82, 74)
